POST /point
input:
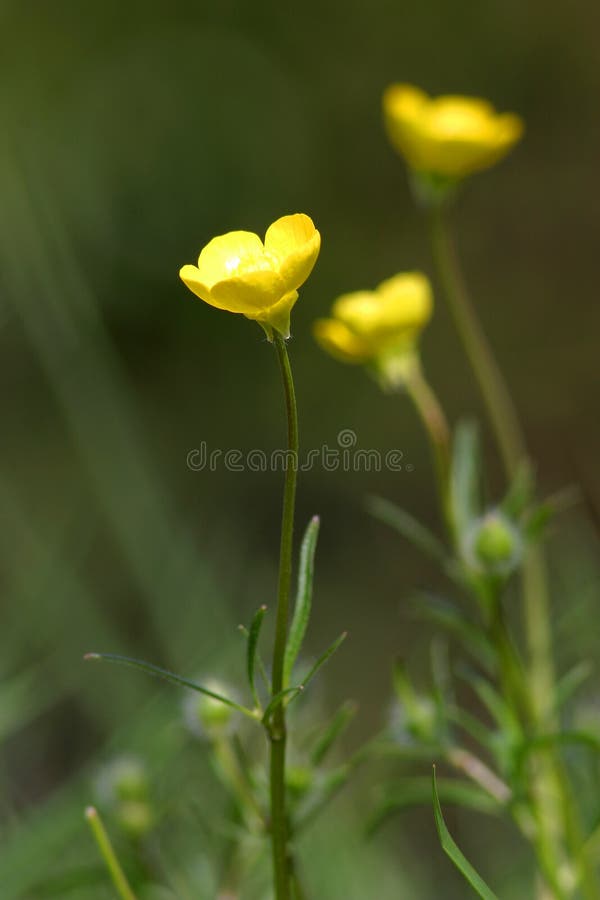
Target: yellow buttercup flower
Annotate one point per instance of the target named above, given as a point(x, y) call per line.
point(379, 328)
point(449, 136)
point(238, 272)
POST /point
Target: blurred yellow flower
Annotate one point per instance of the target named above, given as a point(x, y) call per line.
point(238, 273)
point(381, 327)
point(449, 136)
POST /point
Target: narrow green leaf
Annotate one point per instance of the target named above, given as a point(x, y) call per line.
point(258, 660)
point(520, 492)
point(409, 527)
point(416, 791)
point(446, 615)
point(118, 877)
point(171, 677)
point(452, 850)
point(571, 682)
point(278, 699)
point(253, 636)
point(324, 658)
point(303, 602)
point(465, 476)
point(537, 521)
point(495, 704)
point(338, 724)
point(472, 726)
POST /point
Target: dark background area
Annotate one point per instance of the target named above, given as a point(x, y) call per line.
point(131, 134)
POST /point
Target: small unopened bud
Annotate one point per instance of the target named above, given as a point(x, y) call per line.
point(123, 789)
point(121, 780)
point(494, 545)
point(423, 718)
point(205, 716)
point(299, 780)
point(417, 720)
point(135, 817)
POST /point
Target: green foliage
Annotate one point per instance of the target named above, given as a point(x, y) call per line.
point(416, 792)
point(452, 850)
point(104, 545)
point(253, 636)
point(465, 478)
point(303, 604)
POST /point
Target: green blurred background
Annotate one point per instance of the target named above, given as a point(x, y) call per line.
point(131, 133)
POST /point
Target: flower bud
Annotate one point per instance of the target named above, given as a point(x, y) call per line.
point(123, 779)
point(494, 544)
point(299, 780)
point(423, 718)
point(135, 817)
point(205, 716)
point(416, 719)
point(123, 789)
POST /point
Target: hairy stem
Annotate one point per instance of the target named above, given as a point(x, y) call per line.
point(277, 728)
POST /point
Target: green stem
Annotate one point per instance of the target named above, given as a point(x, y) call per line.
point(277, 728)
point(511, 443)
point(499, 406)
point(432, 415)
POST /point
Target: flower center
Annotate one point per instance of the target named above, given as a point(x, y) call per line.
point(244, 265)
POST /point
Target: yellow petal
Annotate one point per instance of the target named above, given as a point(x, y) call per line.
point(459, 117)
point(358, 311)
point(464, 134)
point(390, 317)
point(250, 293)
point(337, 339)
point(509, 129)
point(229, 255)
point(403, 101)
point(191, 278)
point(407, 300)
point(294, 242)
point(403, 106)
point(450, 135)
